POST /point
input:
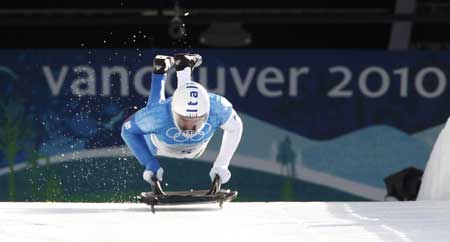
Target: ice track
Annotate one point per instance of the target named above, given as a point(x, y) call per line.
point(254, 222)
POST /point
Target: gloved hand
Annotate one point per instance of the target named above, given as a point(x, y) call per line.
point(223, 173)
point(150, 177)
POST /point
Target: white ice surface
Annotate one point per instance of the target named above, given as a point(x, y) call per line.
point(254, 222)
point(436, 176)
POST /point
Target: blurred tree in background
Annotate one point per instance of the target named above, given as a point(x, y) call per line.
point(15, 134)
point(18, 143)
point(286, 157)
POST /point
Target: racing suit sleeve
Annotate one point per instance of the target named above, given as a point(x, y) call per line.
point(231, 137)
point(133, 136)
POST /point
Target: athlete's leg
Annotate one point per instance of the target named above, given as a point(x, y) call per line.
point(161, 65)
point(184, 76)
point(157, 89)
point(184, 65)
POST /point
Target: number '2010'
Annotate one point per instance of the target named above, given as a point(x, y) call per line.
point(426, 74)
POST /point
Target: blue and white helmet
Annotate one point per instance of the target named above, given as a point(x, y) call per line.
point(190, 108)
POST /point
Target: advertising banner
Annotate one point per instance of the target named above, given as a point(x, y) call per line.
point(318, 125)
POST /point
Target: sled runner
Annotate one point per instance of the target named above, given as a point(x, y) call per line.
point(213, 195)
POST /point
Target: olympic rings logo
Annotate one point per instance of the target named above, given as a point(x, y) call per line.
point(178, 136)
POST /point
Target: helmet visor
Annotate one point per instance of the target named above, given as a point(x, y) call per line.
point(189, 124)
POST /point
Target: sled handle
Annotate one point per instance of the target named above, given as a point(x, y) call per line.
point(157, 189)
point(215, 187)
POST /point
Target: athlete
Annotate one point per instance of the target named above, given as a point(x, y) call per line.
point(182, 125)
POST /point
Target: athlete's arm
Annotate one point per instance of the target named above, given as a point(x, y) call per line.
point(133, 136)
point(231, 137)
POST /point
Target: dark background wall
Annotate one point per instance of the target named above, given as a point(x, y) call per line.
point(289, 24)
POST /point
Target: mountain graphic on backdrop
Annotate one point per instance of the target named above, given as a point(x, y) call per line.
point(365, 156)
